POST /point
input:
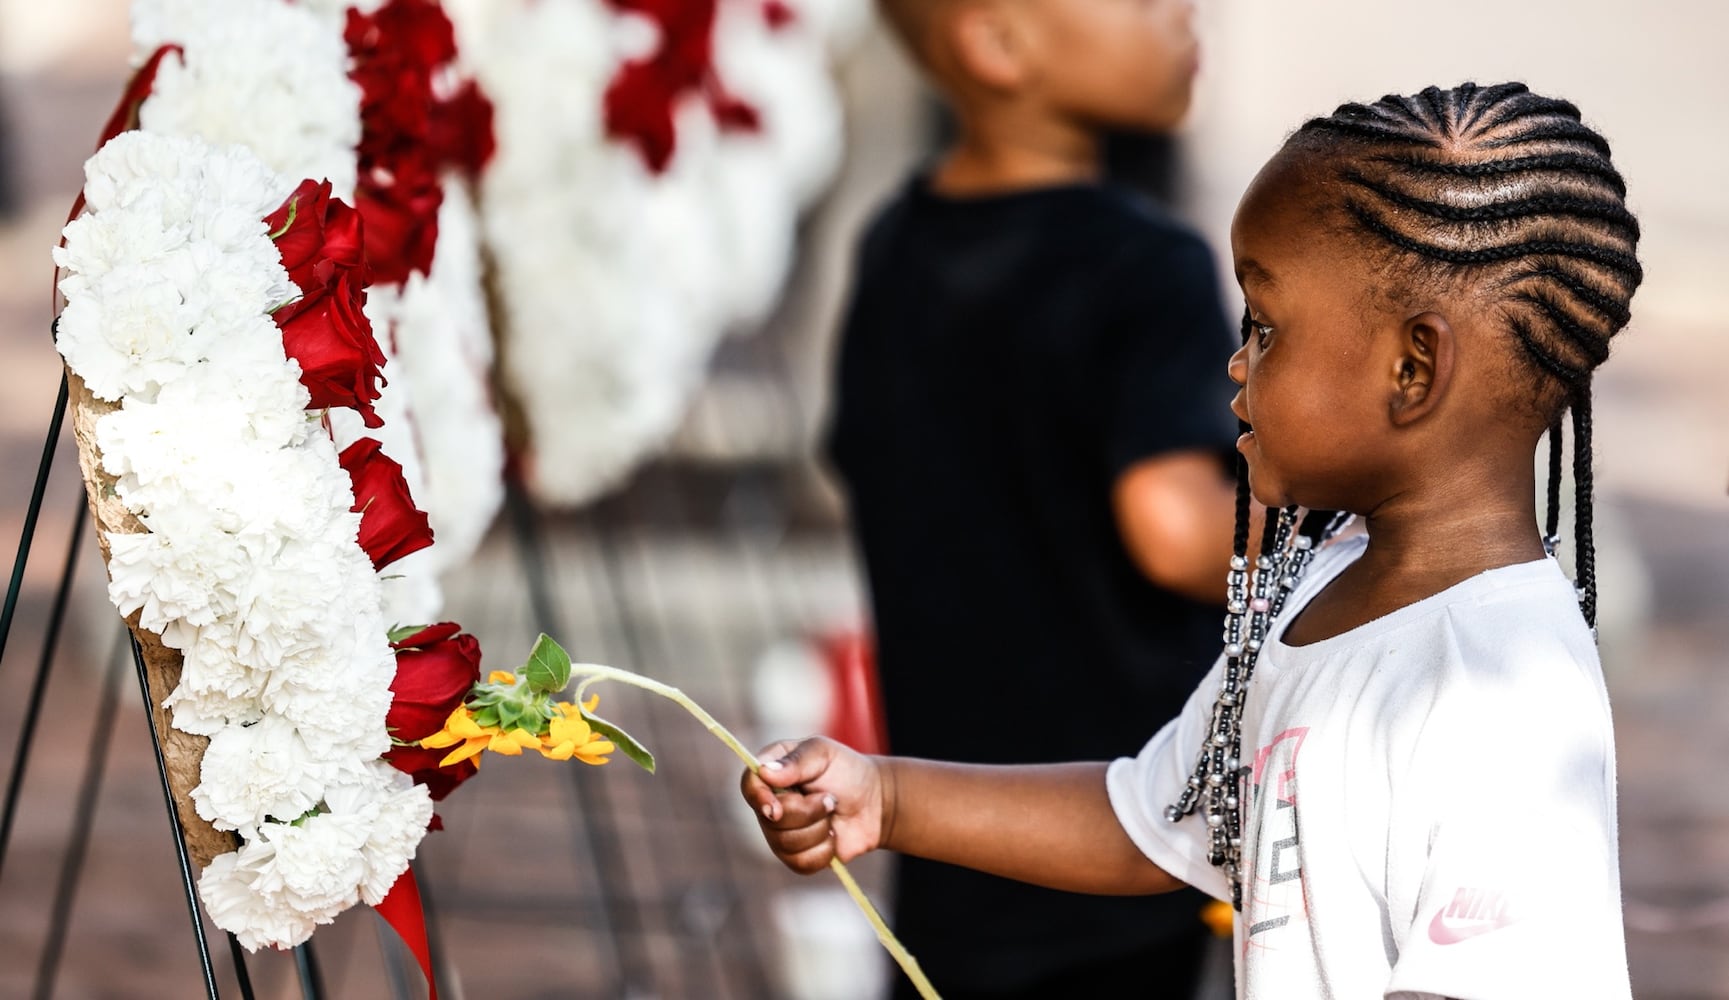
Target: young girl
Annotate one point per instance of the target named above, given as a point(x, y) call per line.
point(1401, 771)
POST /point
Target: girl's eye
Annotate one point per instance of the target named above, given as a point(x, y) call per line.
point(1263, 332)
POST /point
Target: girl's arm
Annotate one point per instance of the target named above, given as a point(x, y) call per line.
point(1047, 824)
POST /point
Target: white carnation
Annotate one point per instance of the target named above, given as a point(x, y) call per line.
point(340, 689)
point(229, 888)
point(178, 573)
point(265, 74)
point(397, 812)
point(131, 333)
point(135, 162)
point(99, 241)
point(319, 862)
point(298, 596)
point(266, 770)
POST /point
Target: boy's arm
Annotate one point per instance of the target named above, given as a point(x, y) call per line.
point(1176, 513)
point(1047, 824)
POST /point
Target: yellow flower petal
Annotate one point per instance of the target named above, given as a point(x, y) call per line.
point(511, 742)
point(501, 677)
point(461, 723)
point(469, 748)
point(569, 729)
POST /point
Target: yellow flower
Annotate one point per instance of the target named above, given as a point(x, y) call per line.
point(461, 731)
point(501, 677)
point(511, 741)
point(569, 735)
point(470, 738)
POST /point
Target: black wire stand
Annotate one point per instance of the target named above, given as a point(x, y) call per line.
point(90, 785)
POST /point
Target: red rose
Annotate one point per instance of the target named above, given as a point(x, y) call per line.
point(316, 235)
point(396, 51)
point(638, 106)
point(390, 525)
point(326, 331)
point(462, 130)
point(401, 216)
point(639, 102)
point(779, 15)
point(435, 668)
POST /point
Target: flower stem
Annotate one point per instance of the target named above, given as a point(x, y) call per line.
point(591, 672)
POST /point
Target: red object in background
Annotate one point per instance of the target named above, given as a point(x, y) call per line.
point(641, 101)
point(855, 712)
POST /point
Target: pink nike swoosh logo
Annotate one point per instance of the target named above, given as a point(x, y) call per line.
point(1442, 932)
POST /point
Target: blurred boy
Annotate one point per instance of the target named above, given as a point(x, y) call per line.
point(1032, 424)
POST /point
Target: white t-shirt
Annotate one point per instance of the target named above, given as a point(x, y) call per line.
point(1431, 801)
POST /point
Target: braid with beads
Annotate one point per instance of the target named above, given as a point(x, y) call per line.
point(1512, 191)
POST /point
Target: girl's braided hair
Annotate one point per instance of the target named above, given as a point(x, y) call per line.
point(1508, 191)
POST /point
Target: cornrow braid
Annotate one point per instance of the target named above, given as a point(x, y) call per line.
point(1515, 191)
point(1552, 520)
point(1584, 546)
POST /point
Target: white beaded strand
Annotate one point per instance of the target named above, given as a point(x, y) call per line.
point(1253, 601)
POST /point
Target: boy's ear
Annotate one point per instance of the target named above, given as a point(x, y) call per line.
point(1423, 367)
point(987, 44)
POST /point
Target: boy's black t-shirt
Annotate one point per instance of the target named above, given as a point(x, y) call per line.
point(1003, 360)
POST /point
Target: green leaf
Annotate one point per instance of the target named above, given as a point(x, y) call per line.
point(399, 634)
point(509, 715)
point(486, 716)
point(548, 667)
point(626, 742)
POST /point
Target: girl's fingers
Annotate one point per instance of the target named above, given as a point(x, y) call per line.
point(794, 810)
point(811, 860)
point(797, 840)
point(786, 763)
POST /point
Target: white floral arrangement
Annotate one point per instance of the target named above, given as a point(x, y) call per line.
point(250, 566)
point(253, 563)
point(618, 272)
point(270, 75)
point(274, 76)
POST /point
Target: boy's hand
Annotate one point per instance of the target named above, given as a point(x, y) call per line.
point(816, 800)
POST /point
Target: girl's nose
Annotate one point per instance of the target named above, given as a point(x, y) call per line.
point(1238, 367)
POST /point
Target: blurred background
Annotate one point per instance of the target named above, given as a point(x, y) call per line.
point(722, 566)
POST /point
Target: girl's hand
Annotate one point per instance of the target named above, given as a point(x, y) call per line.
point(816, 800)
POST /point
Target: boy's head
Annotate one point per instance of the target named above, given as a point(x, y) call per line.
point(1120, 64)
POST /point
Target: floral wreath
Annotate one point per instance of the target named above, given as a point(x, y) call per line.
point(646, 215)
point(218, 328)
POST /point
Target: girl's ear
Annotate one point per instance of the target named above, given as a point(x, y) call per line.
point(988, 46)
point(1423, 367)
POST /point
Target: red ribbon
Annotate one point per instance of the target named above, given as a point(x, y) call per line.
point(125, 116)
point(401, 909)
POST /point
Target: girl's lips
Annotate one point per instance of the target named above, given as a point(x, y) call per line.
point(1244, 438)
